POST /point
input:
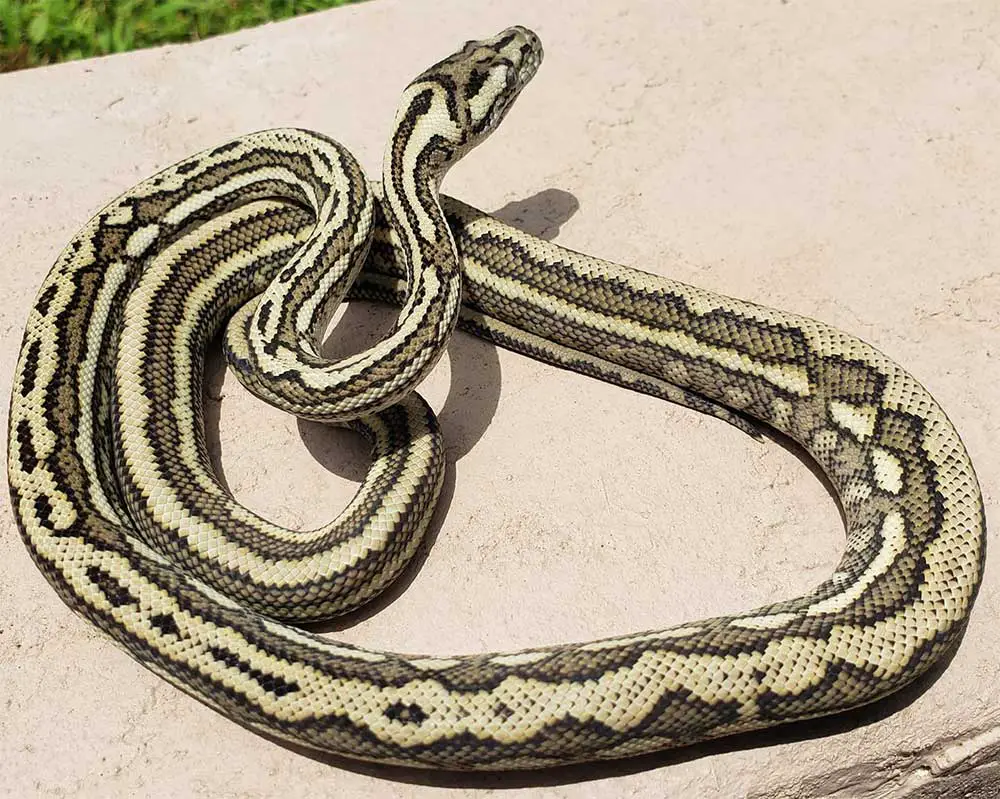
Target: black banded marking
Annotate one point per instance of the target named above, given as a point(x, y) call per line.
point(264, 315)
point(45, 299)
point(223, 149)
point(477, 79)
point(114, 591)
point(44, 510)
point(30, 371)
point(164, 622)
point(29, 456)
point(188, 166)
point(272, 683)
point(405, 713)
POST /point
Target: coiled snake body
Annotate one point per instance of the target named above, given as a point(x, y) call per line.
point(112, 487)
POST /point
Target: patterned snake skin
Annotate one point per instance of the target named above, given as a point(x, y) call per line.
point(117, 502)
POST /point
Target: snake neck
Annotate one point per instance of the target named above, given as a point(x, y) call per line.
point(426, 142)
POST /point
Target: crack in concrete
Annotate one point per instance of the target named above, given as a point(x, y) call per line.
point(965, 766)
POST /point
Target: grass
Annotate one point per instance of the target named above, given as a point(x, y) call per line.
point(34, 32)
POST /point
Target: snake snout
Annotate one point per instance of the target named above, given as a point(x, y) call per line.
point(522, 48)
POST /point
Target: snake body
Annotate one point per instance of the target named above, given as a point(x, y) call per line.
point(117, 503)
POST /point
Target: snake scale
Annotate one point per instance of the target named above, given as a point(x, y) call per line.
point(264, 236)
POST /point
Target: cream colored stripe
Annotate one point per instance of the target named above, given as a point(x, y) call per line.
point(857, 419)
point(785, 376)
point(893, 533)
point(195, 202)
point(629, 640)
point(520, 658)
point(771, 622)
point(114, 276)
point(887, 469)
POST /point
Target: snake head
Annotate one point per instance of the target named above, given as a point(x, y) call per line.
point(459, 101)
point(491, 73)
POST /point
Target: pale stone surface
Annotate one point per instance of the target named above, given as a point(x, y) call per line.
point(836, 159)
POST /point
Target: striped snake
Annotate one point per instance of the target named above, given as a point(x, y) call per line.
point(117, 502)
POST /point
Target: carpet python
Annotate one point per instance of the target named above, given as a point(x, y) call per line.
point(117, 502)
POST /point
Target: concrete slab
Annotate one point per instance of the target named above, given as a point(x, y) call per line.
point(836, 159)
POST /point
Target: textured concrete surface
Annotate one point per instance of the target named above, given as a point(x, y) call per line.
point(839, 159)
